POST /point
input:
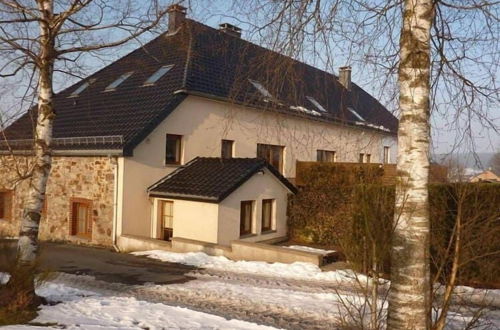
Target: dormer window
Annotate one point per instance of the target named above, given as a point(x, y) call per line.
point(117, 82)
point(82, 87)
point(356, 114)
point(158, 74)
point(316, 104)
point(261, 89)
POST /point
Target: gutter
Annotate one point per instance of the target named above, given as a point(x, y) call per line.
point(83, 152)
point(115, 204)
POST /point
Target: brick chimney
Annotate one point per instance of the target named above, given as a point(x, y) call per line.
point(176, 15)
point(345, 77)
point(230, 29)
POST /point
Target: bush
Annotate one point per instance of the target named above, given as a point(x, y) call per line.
point(348, 207)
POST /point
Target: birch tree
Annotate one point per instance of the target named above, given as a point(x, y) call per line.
point(409, 297)
point(46, 36)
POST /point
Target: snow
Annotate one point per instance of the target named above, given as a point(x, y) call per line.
point(296, 270)
point(309, 249)
point(73, 308)
point(4, 278)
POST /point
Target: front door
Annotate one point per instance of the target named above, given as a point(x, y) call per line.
point(166, 219)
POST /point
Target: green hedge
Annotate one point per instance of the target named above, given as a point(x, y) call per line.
point(355, 212)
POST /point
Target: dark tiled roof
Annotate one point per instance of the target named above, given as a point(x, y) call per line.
point(212, 179)
point(207, 62)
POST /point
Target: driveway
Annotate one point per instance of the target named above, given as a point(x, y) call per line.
point(103, 264)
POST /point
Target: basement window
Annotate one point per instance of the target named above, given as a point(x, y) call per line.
point(118, 81)
point(82, 87)
point(158, 74)
point(6, 204)
point(316, 104)
point(261, 89)
point(356, 114)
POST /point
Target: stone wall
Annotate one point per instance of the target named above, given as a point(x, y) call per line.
point(71, 177)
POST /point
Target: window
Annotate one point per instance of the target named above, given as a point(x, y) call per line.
point(158, 74)
point(246, 218)
point(227, 149)
point(368, 158)
point(82, 87)
point(261, 89)
point(361, 158)
point(118, 81)
point(326, 156)
point(267, 214)
point(6, 205)
point(273, 154)
point(166, 219)
point(354, 112)
point(173, 149)
point(316, 104)
point(81, 217)
point(387, 155)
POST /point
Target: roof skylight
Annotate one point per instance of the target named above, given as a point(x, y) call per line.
point(356, 114)
point(158, 74)
point(118, 81)
point(82, 87)
point(316, 104)
point(261, 88)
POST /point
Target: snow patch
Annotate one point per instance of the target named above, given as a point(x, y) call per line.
point(4, 277)
point(309, 249)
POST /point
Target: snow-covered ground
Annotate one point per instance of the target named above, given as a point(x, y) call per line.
point(83, 309)
point(296, 270)
point(309, 249)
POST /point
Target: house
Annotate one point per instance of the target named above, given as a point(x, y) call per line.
point(485, 176)
point(124, 135)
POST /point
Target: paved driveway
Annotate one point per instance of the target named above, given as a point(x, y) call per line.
point(101, 263)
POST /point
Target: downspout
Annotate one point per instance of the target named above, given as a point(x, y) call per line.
point(115, 204)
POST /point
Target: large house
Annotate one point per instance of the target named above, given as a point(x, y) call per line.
point(171, 139)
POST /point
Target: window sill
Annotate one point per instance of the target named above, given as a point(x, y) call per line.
point(270, 231)
point(82, 237)
point(172, 164)
point(248, 235)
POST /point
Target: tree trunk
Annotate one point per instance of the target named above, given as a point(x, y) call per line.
point(409, 297)
point(27, 249)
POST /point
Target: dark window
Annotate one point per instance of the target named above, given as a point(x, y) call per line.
point(173, 149)
point(387, 155)
point(246, 217)
point(81, 217)
point(6, 205)
point(267, 214)
point(361, 158)
point(325, 156)
point(166, 209)
point(273, 154)
point(227, 149)
point(368, 158)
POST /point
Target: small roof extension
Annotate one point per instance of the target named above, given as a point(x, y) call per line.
point(212, 179)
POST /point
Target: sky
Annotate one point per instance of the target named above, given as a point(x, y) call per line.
point(445, 137)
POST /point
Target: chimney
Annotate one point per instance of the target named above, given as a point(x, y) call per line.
point(176, 14)
point(345, 77)
point(230, 29)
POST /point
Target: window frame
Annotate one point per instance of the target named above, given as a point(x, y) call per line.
point(73, 223)
point(387, 155)
point(322, 155)
point(271, 227)
point(270, 148)
point(8, 204)
point(161, 224)
point(368, 158)
point(361, 158)
point(178, 153)
point(231, 142)
point(243, 209)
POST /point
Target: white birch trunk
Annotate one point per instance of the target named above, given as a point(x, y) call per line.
point(28, 235)
point(409, 297)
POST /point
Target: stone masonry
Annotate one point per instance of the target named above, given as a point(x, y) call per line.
point(89, 178)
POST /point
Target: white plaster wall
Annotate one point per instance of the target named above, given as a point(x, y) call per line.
point(192, 220)
point(203, 123)
point(257, 188)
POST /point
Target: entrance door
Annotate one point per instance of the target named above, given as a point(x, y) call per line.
point(166, 219)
